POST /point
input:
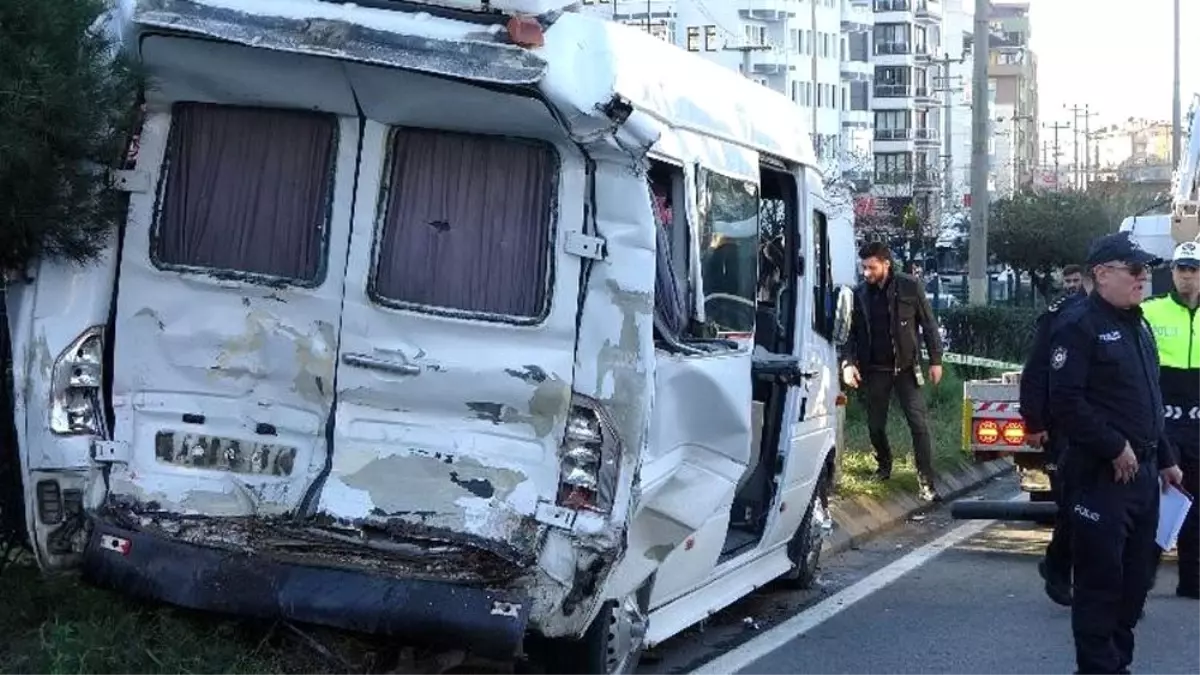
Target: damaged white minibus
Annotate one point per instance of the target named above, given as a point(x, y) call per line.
point(476, 321)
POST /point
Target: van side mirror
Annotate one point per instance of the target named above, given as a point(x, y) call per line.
point(843, 308)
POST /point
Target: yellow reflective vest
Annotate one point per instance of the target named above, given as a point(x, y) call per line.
point(1177, 331)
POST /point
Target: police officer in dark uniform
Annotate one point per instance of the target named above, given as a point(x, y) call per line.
point(1055, 567)
point(1105, 397)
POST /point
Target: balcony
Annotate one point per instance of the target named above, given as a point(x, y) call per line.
point(927, 12)
point(919, 179)
point(926, 136)
point(894, 134)
point(893, 49)
point(771, 11)
point(898, 90)
point(893, 6)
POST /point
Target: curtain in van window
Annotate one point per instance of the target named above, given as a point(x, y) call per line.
point(468, 223)
point(247, 190)
point(668, 289)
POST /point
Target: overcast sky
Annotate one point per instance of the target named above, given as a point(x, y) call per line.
point(1114, 55)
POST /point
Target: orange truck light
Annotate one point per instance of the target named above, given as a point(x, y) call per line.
point(1014, 433)
point(987, 432)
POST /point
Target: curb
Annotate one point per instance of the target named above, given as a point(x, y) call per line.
point(860, 519)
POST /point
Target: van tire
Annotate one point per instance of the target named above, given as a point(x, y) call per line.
point(805, 547)
point(612, 645)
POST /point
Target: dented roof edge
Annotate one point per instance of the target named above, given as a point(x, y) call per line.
point(395, 39)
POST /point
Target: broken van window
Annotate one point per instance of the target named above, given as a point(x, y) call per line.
point(467, 223)
point(729, 251)
point(246, 190)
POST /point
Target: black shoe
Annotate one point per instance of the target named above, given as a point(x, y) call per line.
point(1192, 592)
point(1057, 590)
point(882, 474)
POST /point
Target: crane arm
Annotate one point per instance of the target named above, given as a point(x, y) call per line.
point(1185, 190)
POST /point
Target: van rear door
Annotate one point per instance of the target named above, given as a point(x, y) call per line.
point(231, 278)
point(458, 333)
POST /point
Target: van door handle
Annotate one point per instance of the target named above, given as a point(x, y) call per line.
point(394, 367)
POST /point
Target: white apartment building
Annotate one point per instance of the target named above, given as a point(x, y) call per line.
point(822, 65)
point(908, 153)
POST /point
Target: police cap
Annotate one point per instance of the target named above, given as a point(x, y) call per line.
point(1120, 247)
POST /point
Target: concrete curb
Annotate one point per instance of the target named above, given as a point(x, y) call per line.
point(859, 519)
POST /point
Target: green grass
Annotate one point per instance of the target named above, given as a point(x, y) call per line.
point(857, 463)
point(56, 624)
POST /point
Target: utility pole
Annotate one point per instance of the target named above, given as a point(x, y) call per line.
point(1056, 127)
point(1176, 104)
point(1087, 146)
point(1075, 110)
point(946, 86)
point(746, 50)
point(980, 115)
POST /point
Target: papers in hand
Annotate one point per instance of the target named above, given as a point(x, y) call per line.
point(1173, 506)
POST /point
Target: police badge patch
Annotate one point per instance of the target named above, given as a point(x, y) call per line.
point(1058, 358)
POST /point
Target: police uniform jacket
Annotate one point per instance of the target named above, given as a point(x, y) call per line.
point(1177, 331)
point(1104, 383)
point(1035, 377)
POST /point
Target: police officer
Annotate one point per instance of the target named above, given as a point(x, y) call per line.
point(1176, 325)
point(1055, 567)
point(1104, 396)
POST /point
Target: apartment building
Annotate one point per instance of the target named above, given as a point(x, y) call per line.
point(906, 39)
point(823, 64)
point(1012, 67)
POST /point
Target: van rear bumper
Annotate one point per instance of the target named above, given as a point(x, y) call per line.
point(487, 622)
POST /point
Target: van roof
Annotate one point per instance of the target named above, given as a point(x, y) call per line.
point(585, 59)
point(680, 89)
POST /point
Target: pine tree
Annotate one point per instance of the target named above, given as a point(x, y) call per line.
point(67, 105)
point(66, 109)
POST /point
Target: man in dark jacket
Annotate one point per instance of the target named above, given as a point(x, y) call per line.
point(883, 353)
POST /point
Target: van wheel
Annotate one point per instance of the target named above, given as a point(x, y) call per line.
point(805, 547)
point(612, 644)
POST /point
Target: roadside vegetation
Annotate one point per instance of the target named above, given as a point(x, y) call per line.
point(857, 464)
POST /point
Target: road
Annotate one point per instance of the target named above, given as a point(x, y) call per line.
point(935, 596)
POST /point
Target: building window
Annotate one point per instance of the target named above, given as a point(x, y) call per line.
point(808, 42)
point(892, 167)
point(794, 40)
point(693, 38)
point(710, 38)
point(795, 91)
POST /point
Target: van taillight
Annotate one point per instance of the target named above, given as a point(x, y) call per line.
point(76, 382)
point(590, 458)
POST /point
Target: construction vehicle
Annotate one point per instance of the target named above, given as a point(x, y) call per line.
point(992, 424)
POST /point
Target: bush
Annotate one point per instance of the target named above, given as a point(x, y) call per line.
point(66, 108)
point(991, 332)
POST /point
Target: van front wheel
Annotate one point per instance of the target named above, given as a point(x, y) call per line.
point(805, 547)
point(612, 644)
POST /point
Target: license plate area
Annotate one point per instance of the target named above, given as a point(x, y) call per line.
point(224, 454)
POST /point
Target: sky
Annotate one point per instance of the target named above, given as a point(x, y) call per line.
point(1114, 55)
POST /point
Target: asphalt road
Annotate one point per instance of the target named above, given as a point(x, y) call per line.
point(975, 607)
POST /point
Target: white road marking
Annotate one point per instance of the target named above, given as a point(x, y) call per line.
point(744, 656)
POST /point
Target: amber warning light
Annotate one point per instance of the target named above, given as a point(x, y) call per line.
point(1014, 433)
point(987, 432)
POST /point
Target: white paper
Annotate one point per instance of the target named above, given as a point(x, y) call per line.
point(1173, 507)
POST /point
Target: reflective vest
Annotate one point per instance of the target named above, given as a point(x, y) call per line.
point(1177, 332)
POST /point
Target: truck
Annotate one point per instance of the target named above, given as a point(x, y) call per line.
point(993, 428)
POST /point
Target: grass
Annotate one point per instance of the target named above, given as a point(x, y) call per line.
point(857, 463)
point(56, 624)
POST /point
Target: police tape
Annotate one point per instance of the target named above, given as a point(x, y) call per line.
point(966, 360)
